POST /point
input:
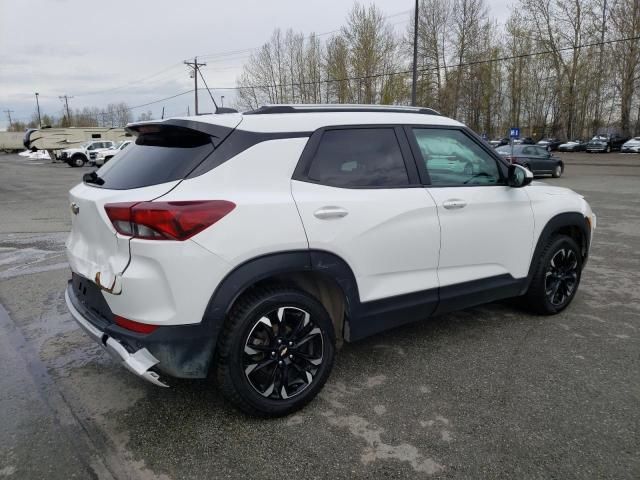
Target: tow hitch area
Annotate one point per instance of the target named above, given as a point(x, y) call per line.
point(139, 362)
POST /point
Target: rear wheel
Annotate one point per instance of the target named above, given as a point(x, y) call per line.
point(608, 148)
point(556, 276)
point(557, 171)
point(276, 351)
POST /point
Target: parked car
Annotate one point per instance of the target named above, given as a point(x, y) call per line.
point(605, 143)
point(572, 146)
point(631, 146)
point(102, 156)
point(535, 158)
point(499, 141)
point(524, 141)
point(552, 144)
point(239, 246)
point(78, 156)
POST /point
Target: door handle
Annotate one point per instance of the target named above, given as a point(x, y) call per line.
point(454, 203)
point(326, 213)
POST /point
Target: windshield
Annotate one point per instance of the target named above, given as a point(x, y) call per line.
point(85, 144)
point(599, 137)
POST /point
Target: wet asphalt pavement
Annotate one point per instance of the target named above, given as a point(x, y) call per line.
point(489, 392)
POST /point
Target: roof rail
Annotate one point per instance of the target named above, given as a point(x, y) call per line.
point(301, 108)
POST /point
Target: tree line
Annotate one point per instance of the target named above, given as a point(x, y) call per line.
point(114, 115)
point(567, 68)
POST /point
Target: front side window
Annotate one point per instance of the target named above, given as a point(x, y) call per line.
point(451, 158)
point(359, 157)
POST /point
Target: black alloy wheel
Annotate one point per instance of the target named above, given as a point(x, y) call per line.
point(555, 276)
point(275, 352)
point(283, 353)
point(561, 277)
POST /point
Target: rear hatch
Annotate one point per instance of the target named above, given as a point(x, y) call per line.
point(163, 155)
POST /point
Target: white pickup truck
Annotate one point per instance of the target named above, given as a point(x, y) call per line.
point(101, 157)
point(78, 156)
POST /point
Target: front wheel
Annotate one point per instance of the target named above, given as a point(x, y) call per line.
point(608, 148)
point(78, 161)
point(276, 351)
point(556, 276)
point(557, 171)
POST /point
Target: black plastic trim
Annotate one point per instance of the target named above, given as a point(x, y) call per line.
point(567, 219)
point(477, 292)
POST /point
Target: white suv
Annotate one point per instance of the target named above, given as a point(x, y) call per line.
point(242, 245)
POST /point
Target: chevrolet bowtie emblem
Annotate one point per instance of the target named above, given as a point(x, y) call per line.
point(75, 208)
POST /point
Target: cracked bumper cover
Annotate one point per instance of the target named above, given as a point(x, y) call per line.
point(181, 351)
point(139, 362)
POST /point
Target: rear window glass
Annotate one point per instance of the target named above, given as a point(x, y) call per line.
point(156, 158)
point(359, 158)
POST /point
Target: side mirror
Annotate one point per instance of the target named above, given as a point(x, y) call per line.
point(519, 176)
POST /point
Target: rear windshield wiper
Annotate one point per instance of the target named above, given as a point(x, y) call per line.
point(92, 177)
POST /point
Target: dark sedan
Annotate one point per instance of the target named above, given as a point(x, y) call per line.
point(533, 157)
point(572, 146)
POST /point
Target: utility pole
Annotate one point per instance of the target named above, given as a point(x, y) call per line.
point(66, 102)
point(162, 117)
point(415, 56)
point(222, 101)
point(196, 69)
point(38, 105)
point(9, 112)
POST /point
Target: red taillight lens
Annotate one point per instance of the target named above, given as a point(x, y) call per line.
point(134, 326)
point(166, 220)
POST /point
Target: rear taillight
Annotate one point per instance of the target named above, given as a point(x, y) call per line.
point(134, 326)
point(511, 159)
point(166, 220)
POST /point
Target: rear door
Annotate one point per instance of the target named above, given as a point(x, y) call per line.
point(359, 197)
point(159, 159)
point(486, 226)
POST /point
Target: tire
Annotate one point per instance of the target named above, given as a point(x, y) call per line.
point(77, 161)
point(256, 320)
point(608, 148)
point(557, 172)
point(545, 296)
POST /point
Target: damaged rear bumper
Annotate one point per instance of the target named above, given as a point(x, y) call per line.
point(139, 362)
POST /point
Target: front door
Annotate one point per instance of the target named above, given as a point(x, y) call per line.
point(486, 226)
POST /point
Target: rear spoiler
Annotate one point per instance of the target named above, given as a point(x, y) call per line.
point(217, 131)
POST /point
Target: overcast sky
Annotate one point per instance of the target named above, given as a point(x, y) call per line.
point(121, 50)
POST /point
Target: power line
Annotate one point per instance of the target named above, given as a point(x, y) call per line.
point(133, 82)
point(307, 37)
point(364, 77)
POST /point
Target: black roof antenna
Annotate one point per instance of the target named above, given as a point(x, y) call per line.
point(218, 109)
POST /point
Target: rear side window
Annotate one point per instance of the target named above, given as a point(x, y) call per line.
point(155, 158)
point(359, 157)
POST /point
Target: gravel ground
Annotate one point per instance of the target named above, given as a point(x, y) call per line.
point(489, 392)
